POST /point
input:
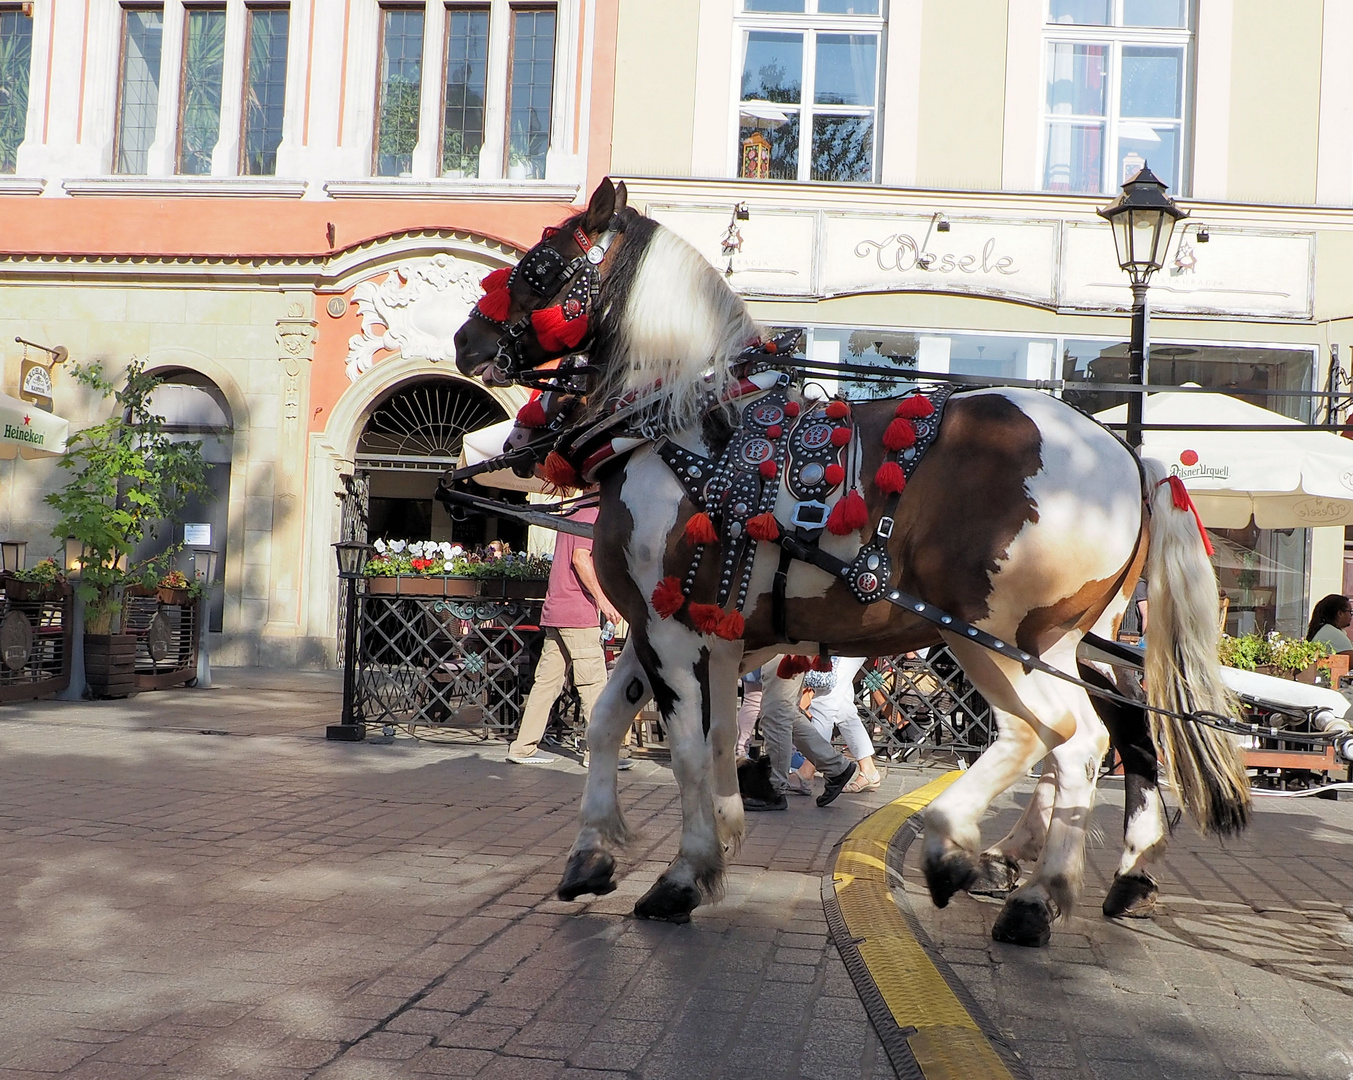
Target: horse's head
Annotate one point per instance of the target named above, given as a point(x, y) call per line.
point(544, 308)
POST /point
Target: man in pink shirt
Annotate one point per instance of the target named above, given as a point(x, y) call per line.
point(572, 624)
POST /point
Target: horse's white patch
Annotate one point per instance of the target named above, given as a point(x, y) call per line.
point(652, 495)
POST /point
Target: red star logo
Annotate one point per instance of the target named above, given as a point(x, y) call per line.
point(27, 420)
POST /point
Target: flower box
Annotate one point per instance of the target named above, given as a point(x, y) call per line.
point(174, 596)
point(22, 592)
point(420, 585)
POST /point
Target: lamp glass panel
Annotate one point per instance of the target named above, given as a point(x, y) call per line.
point(13, 552)
point(74, 555)
point(1145, 234)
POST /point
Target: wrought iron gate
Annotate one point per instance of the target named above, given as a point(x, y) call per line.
point(916, 705)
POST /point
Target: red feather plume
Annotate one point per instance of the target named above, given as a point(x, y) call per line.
point(705, 617)
point(792, 666)
point(559, 473)
point(763, 527)
point(916, 407)
point(495, 305)
point(838, 410)
point(497, 279)
point(849, 513)
point(555, 332)
point(890, 479)
point(731, 626)
point(899, 435)
point(532, 414)
point(700, 530)
point(667, 598)
point(841, 436)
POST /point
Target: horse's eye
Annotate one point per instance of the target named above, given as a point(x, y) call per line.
point(550, 230)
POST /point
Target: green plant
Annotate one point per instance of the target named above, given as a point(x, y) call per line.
point(48, 572)
point(1253, 650)
point(127, 476)
point(398, 132)
point(428, 558)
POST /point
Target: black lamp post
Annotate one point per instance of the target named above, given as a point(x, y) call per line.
point(1143, 218)
point(352, 557)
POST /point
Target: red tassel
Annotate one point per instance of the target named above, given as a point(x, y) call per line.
point(791, 409)
point(497, 279)
point(774, 431)
point(705, 617)
point(822, 663)
point(899, 435)
point(731, 626)
point(764, 527)
point(792, 666)
point(1183, 501)
point(559, 473)
point(555, 332)
point(768, 469)
point(838, 410)
point(841, 436)
point(532, 414)
point(495, 305)
point(700, 530)
point(890, 479)
point(667, 598)
point(849, 513)
point(915, 407)
point(834, 474)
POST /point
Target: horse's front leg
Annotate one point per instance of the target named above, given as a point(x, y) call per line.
point(725, 665)
point(591, 864)
point(686, 690)
point(1000, 864)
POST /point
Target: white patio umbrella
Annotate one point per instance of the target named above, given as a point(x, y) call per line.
point(485, 443)
point(1284, 479)
point(29, 431)
point(763, 114)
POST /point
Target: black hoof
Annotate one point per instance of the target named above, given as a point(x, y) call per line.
point(1023, 922)
point(951, 873)
point(997, 876)
point(590, 871)
point(672, 903)
point(1131, 896)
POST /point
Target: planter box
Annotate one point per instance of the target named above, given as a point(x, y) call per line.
point(416, 585)
point(24, 592)
point(110, 665)
point(174, 596)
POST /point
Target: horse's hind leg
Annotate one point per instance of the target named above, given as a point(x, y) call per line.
point(1000, 863)
point(591, 866)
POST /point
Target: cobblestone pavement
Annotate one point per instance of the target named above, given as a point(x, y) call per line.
point(259, 903)
point(1245, 972)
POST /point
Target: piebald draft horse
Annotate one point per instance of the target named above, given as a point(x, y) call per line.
point(1025, 518)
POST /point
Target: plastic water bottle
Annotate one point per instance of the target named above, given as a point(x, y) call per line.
point(608, 631)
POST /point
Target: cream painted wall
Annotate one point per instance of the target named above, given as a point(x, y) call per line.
point(654, 121)
point(1275, 101)
point(1327, 563)
point(962, 116)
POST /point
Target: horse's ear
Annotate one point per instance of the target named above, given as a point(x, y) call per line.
point(622, 197)
point(602, 206)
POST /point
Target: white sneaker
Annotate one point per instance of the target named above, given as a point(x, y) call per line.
point(623, 764)
point(538, 758)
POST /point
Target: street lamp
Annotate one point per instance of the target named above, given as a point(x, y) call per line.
point(202, 569)
point(74, 557)
point(1143, 217)
point(352, 556)
point(11, 553)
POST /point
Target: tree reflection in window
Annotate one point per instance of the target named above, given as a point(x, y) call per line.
point(203, 72)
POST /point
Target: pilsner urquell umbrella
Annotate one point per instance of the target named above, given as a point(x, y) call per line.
point(1284, 479)
point(29, 431)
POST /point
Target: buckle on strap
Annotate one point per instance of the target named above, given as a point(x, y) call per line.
point(884, 529)
point(809, 514)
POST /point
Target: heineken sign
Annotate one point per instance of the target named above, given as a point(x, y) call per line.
point(28, 430)
point(24, 435)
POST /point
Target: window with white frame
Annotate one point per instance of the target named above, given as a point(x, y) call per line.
point(1117, 84)
point(496, 66)
point(16, 52)
point(202, 57)
point(808, 95)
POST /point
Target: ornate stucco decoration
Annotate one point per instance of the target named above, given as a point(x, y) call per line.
point(415, 311)
point(295, 344)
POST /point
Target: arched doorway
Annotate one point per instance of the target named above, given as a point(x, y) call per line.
point(412, 436)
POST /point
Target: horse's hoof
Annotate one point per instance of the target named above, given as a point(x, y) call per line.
point(668, 901)
point(1131, 896)
point(590, 871)
point(997, 875)
point(1023, 922)
point(950, 873)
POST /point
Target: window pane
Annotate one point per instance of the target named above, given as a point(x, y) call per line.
point(1151, 82)
point(772, 67)
point(1155, 13)
point(784, 150)
point(848, 7)
point(1083, 12)
point(16, 49)
point(772, 5)
point(1075, 158)
point(203, 70)
point(1077, 79)
point(265, 91)
point(843, 149)
point(400, 90)
point(467, 51)
point(845, 69)
point(532, 91)
point(141, 40)
point(1140, 144)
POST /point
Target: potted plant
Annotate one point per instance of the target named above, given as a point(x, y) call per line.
point(175, 588)
point(432, 568)
point(1270, 654)
point(40, 582)
point(128, 477)
point(457, 164)
point(519, 163)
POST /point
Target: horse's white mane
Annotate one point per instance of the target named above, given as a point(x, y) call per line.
point(682, 326)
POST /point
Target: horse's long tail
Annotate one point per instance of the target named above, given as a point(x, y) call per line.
point(1182, 671)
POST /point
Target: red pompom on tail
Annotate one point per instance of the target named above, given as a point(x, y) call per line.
point(841, 436)
point(915, 407)
point(532, 414)
point(731, 626)
point(497, 279)
point(849, 513)
point(791, 409)
point(822, 663)
point(899, 435)
point(555, 332)
point(792, 666)
point(890, 479)
point(768, 469)
point(833, 474)
point(700, 530)
point(763, 527)
point(560, 473)
point(495, 305)
point(667, 598)
point(837, 410)
point(705, 617)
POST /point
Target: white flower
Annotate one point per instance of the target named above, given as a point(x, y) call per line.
point(457, 550)
point(398, 546)
point(446, 549)
point(447, 566)
point(380, 546)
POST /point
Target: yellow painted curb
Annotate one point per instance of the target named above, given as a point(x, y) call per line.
point(947, 1041)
